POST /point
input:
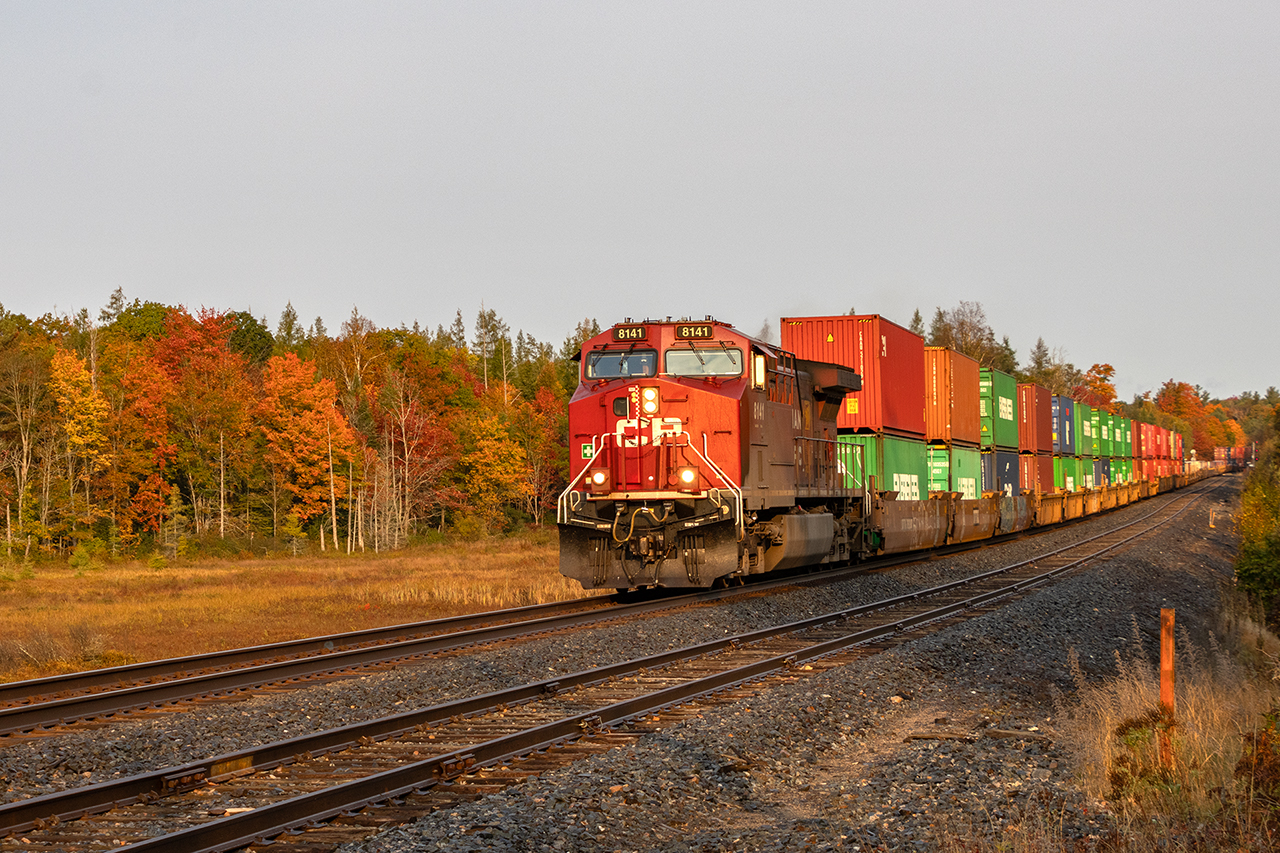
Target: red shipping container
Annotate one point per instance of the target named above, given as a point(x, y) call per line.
point(1035, 473)
point(1035, 419)
point(951, 398)
point(1177, 446)
point(1142, 444)
point(889, 358)
point(1044, 464)
point(1028, 473)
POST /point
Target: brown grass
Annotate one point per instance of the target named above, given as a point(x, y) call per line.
point(1222, 792)
point(56, 618)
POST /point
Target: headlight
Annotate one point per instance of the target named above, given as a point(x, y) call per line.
point(599, 480)
point(649, 401)
point(599, 477)
point(687, 477)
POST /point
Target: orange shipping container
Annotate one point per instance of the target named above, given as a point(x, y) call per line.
point(889, 358)
point(951, 397)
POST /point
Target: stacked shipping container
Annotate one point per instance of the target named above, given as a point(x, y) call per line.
point(998, 411)
point(977, 430)
point(885, 417)
point(952, 425)
point(1035, 437)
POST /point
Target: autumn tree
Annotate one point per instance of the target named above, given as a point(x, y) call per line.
point(309, 445)
point(83, 412)
point(1096, 388)
point(25, 406)
point(209, 409)
point(140, 448)
point(493, 469)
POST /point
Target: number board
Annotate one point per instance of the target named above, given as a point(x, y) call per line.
point(629, 333)
point(699, 331)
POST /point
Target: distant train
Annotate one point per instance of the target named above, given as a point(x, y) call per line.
point(700, 455)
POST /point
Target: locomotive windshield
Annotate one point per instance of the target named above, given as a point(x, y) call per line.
point(621, 364)
point(704, 361)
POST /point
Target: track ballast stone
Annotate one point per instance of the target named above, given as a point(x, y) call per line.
point(764, 773)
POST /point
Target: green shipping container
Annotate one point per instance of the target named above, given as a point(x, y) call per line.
point(998, 408)
point(1102, 431)
point(1117, 472)
point(955, 469)
point(1066, 473)
point(1086, 440)
point(898, 465)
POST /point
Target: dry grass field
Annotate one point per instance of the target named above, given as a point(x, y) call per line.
point(57, 618)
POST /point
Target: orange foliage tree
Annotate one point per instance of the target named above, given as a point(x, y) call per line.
point(308, 442)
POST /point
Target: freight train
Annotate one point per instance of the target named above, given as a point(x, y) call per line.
point(700, 455)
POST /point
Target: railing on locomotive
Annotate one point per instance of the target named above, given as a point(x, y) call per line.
point(564, 507)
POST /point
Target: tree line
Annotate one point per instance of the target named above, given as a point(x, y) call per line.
point(151, 429)
point(154, 429)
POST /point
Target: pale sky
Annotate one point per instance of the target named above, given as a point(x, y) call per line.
point(1105, 175)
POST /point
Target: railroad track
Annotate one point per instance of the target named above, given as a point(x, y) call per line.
point(318, 791)
point(45, 706)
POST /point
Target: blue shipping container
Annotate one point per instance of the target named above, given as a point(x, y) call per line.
point(1064, 438)
point(1101, 473)
point(1000, 472)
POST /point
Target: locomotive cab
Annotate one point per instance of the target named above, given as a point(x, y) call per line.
point(699, 454)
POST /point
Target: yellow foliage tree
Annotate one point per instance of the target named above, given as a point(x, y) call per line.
point(84, 411)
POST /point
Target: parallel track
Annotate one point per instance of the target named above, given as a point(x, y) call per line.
point(393, 769)
point(39, 706)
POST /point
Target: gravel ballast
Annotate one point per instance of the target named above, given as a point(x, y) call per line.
point(820, 762)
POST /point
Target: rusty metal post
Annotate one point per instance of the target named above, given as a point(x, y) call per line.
point(1166, 685)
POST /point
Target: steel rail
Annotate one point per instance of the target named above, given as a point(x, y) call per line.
point(61, 711)
point(309, 809)
point(21, 691)
point(103, 796)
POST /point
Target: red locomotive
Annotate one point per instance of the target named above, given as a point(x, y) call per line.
point(699, 454)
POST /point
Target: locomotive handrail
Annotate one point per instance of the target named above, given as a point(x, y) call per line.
point(562, 503)
point(733, 487)
point(563, 515)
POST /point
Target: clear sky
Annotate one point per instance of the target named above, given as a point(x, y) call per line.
point(1105, 175)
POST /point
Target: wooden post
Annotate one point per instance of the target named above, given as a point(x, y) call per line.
point(1166, 684)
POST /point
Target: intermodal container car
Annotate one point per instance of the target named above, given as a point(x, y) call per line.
point(889, 358)
point(951, 398)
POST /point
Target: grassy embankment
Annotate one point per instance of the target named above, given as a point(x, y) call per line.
point(57, 618)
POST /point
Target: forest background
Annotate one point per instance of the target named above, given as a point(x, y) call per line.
point(152, 431)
